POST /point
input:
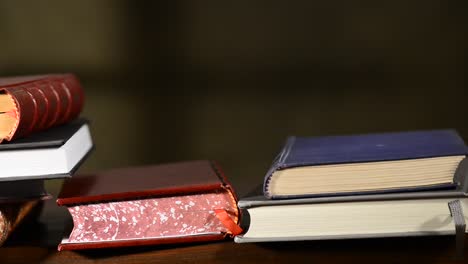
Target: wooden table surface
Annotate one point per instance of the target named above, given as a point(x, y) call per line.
point(37, 243)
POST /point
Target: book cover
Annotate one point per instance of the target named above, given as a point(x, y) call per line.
point(358, 149)
point(54, 153)
point(159, 204)
point(32, 103)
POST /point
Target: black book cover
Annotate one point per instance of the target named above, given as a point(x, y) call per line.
point(51, 138)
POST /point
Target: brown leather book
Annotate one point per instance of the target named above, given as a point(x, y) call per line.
point(33, 103)
point(170, 203)
point(12, 214)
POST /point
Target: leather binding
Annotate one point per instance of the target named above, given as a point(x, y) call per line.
point(156, 181)
point(42, 101)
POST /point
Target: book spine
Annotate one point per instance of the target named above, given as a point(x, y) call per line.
point(277, 164)
point(13, 214)
point(45, 103)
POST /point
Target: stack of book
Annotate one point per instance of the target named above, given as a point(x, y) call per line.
point(361, 186)
point(381, 185)
point(375, 185)
point(41, 138)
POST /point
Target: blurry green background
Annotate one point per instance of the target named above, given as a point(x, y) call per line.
point(179, 80)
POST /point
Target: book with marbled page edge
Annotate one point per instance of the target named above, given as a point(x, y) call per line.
point(171, 199)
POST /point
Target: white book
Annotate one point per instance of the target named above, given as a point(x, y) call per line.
point(53, 153)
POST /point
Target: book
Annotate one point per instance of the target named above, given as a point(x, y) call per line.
point(32, 103)
point(54, 153)
point(372, 163)
point(12, 214)
point(156, 204)
point(23, 190)
point(359, 216)
point(348, 220)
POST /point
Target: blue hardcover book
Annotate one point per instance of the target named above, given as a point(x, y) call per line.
point(365, 164)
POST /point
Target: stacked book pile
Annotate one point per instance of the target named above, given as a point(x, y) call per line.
point(361, 186)
point(337, 187)
point(41, 138)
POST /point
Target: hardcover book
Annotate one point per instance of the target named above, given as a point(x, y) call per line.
point(22, 191)
point(32, 103)
point(359, 164)
point(12, 214)
point(159, 204)
point(311, 220)
point(438, 212)
point(55, 153)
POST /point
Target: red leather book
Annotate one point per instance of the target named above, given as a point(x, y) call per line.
point(32, 103)
point(160, 204)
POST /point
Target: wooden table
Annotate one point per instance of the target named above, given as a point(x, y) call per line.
point(37, 242)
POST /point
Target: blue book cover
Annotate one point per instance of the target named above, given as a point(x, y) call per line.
point(312, 151)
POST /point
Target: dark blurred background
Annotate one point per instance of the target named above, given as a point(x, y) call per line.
point(179, 80)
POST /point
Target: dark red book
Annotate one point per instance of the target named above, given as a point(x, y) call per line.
point(33, 103)
point(170, 203)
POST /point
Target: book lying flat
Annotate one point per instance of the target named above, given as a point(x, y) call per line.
point(170, 203)
point(53, 153)
point(12, 214)
point(372, 163)
point(360, 216)
point(360, 219)
point(22, 191)
point(33, 103)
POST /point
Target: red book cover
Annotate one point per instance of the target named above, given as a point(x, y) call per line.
point(33, 103)
point(160, 204)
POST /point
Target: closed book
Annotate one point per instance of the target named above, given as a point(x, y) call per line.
point(22, 191)
point(371, 163)
point(158, 204)
point(33, 103)
point(12, 214)
point(380, 217)
point(359, 216)
point(53, 153)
